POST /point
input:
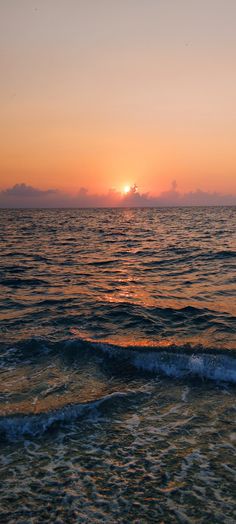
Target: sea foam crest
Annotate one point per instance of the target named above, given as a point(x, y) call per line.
point(15, 427)
point(175, 362)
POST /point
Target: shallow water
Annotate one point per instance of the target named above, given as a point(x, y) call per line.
point(118, 368)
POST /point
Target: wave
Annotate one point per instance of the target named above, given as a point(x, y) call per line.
point(20, 282)
point(186, 256)
point(180, 361)
point(172, 361)
point(15, 427)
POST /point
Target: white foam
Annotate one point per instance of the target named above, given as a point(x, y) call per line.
point(176, 362)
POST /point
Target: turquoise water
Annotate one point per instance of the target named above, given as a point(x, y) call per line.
point(118, 370)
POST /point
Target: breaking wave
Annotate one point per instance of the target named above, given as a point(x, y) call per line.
point(17, 426)
point(181, 362)
point(173, 361)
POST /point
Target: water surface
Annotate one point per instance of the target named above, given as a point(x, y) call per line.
point(118, 370)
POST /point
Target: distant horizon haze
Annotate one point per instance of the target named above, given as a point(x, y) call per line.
point(26, 196)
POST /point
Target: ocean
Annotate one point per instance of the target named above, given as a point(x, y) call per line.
point(118, 365)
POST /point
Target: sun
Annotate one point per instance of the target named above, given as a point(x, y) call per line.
point(126, 189)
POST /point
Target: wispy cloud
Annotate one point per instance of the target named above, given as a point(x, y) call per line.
point(23, 195)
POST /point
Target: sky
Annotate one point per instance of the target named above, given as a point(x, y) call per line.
point(103, 94)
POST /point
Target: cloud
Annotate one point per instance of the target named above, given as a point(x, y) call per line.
point(22, 190)
point(173, 197)
point(23, 195)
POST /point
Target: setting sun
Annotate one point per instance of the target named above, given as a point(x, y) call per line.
point(126, 189)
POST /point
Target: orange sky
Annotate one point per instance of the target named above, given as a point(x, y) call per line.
point(104, 93)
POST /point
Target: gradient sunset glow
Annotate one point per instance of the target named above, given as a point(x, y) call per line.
point(100, 94)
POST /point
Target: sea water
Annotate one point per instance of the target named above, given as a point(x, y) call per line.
point(118, 365)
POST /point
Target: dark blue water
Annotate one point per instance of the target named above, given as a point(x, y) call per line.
point(118, 345)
